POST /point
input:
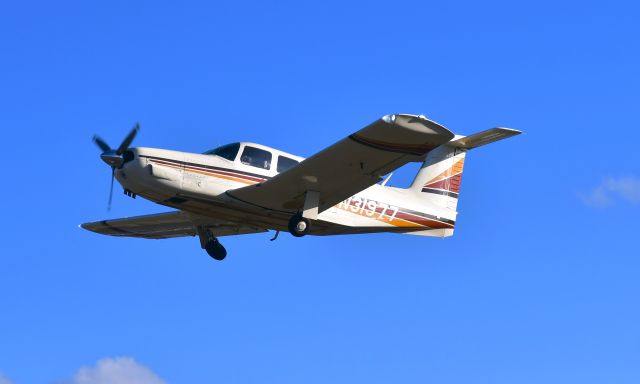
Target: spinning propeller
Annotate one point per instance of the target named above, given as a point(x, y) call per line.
point(115, 157)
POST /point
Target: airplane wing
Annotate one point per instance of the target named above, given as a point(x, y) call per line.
point(348, 166)
point(166, 225)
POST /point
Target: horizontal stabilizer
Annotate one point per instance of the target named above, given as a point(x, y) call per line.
point(485, 137)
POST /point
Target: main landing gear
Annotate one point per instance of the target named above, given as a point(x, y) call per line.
point(215, 249)
point(298, 225)
point(210, 243)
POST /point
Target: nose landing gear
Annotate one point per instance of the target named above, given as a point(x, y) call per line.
point(210, 243)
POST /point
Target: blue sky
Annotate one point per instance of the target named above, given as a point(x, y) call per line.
point(539, 283)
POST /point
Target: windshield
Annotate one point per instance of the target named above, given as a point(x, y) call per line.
point(229, 151)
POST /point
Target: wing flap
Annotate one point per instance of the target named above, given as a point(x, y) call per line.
point(350, 165)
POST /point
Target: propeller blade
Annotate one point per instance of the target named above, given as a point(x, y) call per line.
point(101, 143)
point(113, 173)
point(127, 140)
point(114, 158)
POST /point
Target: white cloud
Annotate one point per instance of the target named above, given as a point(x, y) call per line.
point(598, 197)
point(627, 187)
point(121, 370)
point(612, 190)
point(4, 380)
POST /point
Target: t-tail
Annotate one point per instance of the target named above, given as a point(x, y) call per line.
point(439, 179)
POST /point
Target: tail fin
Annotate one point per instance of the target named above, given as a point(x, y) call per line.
point(440, 176)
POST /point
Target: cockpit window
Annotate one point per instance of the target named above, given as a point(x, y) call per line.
point(229, 151)
point(285, 163)
point(256, 157)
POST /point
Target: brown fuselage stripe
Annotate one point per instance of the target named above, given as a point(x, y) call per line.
point(210, 171)
point(208, 167)
point(404, 217)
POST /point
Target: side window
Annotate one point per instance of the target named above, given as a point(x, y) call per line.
point(285, 163)
point(256, 157)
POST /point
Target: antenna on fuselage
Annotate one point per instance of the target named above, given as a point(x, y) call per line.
point(384, 182)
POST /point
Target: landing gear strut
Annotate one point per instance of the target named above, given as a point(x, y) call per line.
point(298, 225)
point(210, 243)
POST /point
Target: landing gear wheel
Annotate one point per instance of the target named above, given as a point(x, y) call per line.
point(215, 249)
point(299, 226)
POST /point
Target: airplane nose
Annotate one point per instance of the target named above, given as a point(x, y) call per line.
point(112, 158)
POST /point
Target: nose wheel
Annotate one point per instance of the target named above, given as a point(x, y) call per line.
point(298, 225)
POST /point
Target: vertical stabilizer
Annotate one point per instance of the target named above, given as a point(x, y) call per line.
point(440, 176)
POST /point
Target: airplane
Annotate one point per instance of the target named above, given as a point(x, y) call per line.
point(243, 188)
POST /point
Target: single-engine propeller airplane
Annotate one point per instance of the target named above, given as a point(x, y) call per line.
point(243, 188)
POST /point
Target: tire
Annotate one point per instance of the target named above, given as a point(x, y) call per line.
point(299, 226)
point(216, 250)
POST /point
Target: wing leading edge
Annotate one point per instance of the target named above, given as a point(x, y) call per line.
point(350, 165)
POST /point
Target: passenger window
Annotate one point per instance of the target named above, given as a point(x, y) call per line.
point(256, 157)
point(285, 163)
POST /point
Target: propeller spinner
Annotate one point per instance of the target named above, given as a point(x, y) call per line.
point(114, 157)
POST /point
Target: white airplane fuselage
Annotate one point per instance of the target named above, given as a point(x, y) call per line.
point(198, 184)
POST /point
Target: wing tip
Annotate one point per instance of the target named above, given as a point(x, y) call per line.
point(93, 226)
point(420, 123)
point(511, 131)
